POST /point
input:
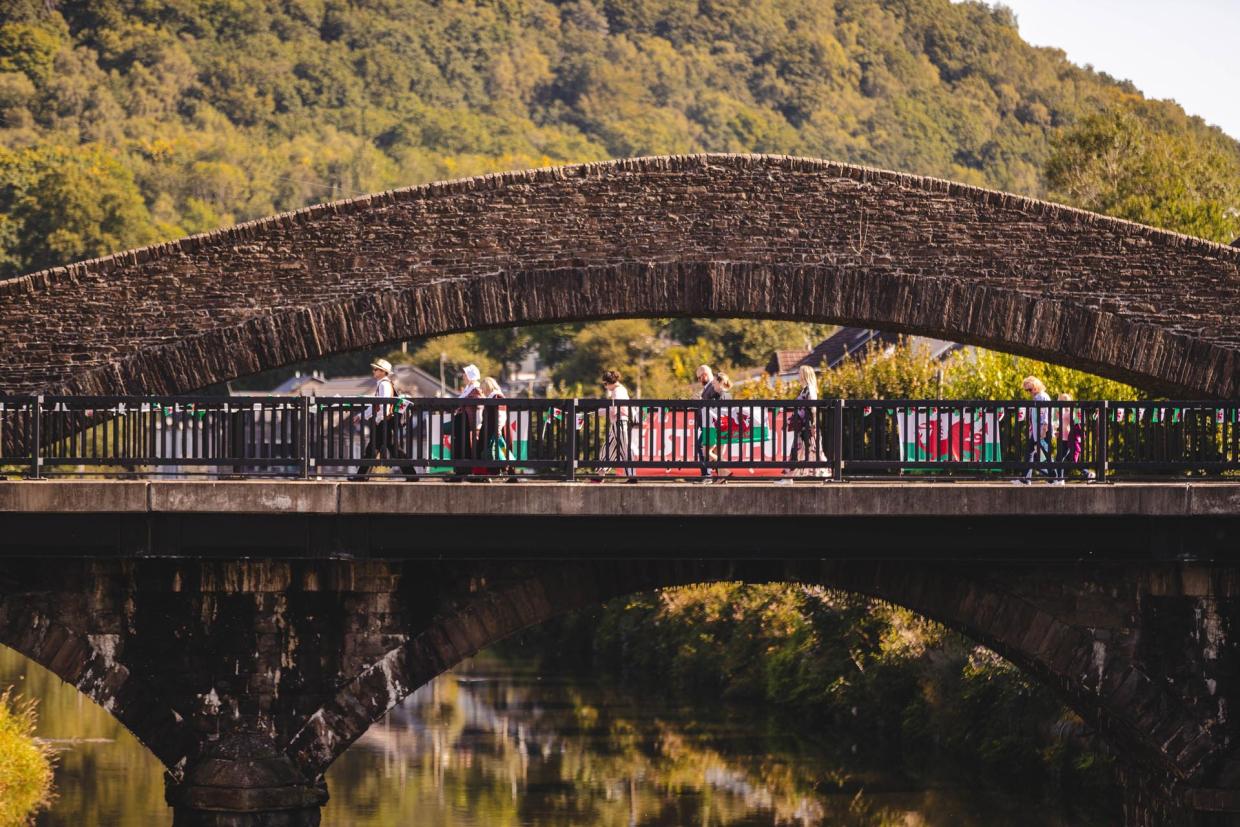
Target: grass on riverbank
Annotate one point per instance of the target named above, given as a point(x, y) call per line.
point(25, 763)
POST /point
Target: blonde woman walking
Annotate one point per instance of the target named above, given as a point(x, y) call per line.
point(802, 421)
point(1038, 449)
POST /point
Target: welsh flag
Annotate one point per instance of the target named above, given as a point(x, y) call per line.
point(926, 435)
point(735, 427)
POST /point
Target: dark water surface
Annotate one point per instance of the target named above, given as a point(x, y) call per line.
point(495, 745)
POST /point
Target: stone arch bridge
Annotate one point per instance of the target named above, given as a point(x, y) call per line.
point(248, 632)
point(705, 235)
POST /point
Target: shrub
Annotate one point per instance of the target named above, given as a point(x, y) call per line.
point(25, 763)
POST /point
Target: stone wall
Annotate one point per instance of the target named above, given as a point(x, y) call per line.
point(712, 235)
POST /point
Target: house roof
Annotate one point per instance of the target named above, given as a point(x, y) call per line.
point(846, 342)
point(784, 361)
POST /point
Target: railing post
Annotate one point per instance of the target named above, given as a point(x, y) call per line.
point(837, 443)
point(304, 436)
point(570, 422)
point(1101, 460)
point(36, 427)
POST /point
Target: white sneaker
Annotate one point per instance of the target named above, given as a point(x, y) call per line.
point(1019, 482)
point(1058, 482)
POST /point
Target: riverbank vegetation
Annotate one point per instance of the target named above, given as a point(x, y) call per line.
point(886, 681)
point(25, 763)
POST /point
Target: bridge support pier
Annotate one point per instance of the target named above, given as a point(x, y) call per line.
point(245, 781)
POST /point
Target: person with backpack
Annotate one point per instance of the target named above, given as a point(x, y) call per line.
point(384, 421)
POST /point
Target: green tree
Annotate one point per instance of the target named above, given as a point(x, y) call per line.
point(456, 351)
point(988, 374)
point(627, 345)
point(901, 372)
point(62, 203)
point(1141, 162)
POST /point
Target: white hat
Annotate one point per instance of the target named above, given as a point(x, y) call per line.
point(382, 364)
point(472, 373)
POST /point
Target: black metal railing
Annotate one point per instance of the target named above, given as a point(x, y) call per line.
point(594, 438)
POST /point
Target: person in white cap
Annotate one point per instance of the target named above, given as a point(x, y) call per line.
point(383, 422)
point(465, 423)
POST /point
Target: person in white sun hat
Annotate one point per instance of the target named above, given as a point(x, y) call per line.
point(465, 423)
point(382, 418)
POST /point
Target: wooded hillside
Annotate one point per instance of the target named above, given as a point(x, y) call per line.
point(127, 121)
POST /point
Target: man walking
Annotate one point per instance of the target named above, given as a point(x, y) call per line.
point(383, 421)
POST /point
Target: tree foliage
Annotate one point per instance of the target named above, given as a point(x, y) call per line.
point(25, 763)
point(1141, 162)
point(862, 669)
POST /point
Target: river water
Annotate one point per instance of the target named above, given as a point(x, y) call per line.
point(498, 745)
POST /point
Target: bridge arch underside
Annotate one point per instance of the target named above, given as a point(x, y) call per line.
point(1155, 693)
point(282, 665)
point(707, 236)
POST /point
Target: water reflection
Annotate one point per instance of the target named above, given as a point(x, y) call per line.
point(494, 745)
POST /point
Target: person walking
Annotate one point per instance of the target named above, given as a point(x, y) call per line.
point(493, 435)
point(802, 422)
point(723, 387)
point(384, 421)
point(1071, 437)
point(1038, 448)
point(618, 445)
point(708, 393)
point(465, 423)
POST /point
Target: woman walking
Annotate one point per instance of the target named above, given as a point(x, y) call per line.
point(722, 385)
point(701, 451)
point(802, 421)
point(493, 436)
point(617, 447)
point(465, 423)
point(1071, 436)
point(1038, 449)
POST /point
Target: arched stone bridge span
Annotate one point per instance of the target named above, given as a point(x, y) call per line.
point(249, 632)
point(707, 235)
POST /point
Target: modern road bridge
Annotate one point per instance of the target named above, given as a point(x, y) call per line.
point(247, 632)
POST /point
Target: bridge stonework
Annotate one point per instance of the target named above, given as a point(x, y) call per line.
point(708, 235)
point(248, 678)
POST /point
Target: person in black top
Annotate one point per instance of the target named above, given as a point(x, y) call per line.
point(710, 392)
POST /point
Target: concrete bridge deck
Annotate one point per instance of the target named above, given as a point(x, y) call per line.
point(902, 498)
point(398, 520)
